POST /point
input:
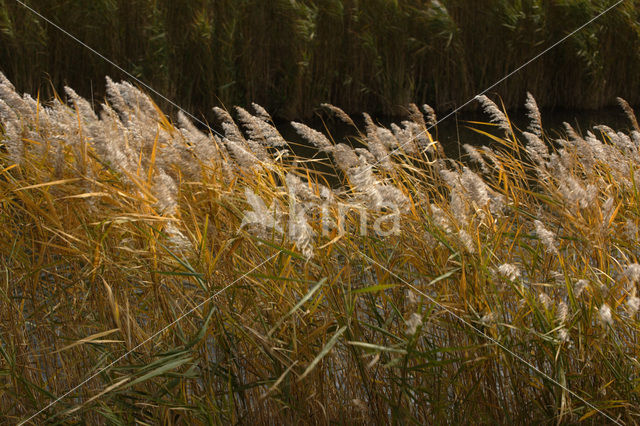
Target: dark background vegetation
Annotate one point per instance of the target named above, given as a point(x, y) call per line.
point(289, 56)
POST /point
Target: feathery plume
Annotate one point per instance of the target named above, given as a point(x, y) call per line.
point(126, 99)
point(343, 116)
point(488, 318)
point(366, 155)
point(431, 120)
point(630, 230)
point(405, 137)
point(467, 241)
point(509, 271)
point(313, 136)
point(604, 314)
point(579, 287)
point(298, 188)
point(10, 96)
point(607, 212)
point(414, 321)
point(249, 145)
point(633, 303)
point(440, 218)
point(416, 116)
point(177, 240)
point(497, 116)
point(260, 217)
point(205, 147)
point(165, 190)
point(261, 113)
point(412, 297)
point(632, 273)
point(546, 237)
point(12, 137)
point(629, 112)
point(300, 232)
point(14, 142)
point(6, 113)
point(536, 147)
point(476, 157)
point(459, 205)
point(476, 188)
point(376, 146)
point(387, 138)
point(260, 130)
point(223, 115)
point(545, 300)
point(81, 104)
point(563, 312)
point(345, 157)
point(563, 334)
point(575, 194)
point(242, 156)
point(535, 125)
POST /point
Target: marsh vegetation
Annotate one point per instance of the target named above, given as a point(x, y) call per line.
point(203, 278)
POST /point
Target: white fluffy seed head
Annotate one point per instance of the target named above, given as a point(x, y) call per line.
point(345, 157)
point(476, 157)
point(546, 237)
point(535, 125)
point(301, 232)
point(264, 220)
point(319, 140)
point(604, 314)
point(497, 116)
point(476, 188)
point(467, 241)
point(176, 239)
point(579, 287)
point(431, 119)
point(414, 321)
point(343, 116)
point(488, 318)
point(440, 218)
point(633, 273)
point(412, 297)
point(545, 300)
point(633, 304)
point(243, 157)
point(259, 129)
point(509, 271)
point(563, 335)
point(563, 312)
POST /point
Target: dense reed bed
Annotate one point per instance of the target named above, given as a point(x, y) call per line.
point(291, 55)
point(416, 289)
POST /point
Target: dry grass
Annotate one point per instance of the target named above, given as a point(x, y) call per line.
point(114, 226)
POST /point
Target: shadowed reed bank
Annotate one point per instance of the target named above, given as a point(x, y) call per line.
point(289, 56)
point(393, 294)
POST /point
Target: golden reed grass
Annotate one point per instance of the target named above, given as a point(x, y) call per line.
point(366, 296)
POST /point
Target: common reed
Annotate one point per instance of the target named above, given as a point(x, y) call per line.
point(397, 293)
